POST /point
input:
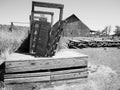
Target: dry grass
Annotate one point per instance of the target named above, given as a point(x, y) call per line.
point(10, 41)
point(100, 78)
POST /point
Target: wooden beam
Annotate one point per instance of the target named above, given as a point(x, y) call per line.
point(31, 65)
point(61, 14)
point(69, 76)
point(43, 12)
point(51, 19)
point(48, 5)
point(36, 17)
point(39, 74)
point(18, 63)
point(70, 81)
point(31, 31)
point(47, 78)
point(25, 80)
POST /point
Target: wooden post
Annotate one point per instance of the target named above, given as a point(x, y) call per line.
point(11, 27)
point(51, 19)
point(61, 14)
point(31, 31)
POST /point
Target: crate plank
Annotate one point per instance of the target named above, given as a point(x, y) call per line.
point(30, 65)
point(70, 81)
point(26, 80)
point(7, 76)
point(69, 76)
point(50, 5)
point(2, 71)
point(39, 86)
point(17, 62)
point(24, 75)
point(47, 78)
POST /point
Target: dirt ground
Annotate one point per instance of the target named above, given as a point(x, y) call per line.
point(104, 56)
point(101, 77)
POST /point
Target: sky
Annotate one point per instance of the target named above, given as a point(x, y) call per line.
point(96, 14)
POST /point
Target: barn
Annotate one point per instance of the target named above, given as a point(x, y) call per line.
point(74, 27)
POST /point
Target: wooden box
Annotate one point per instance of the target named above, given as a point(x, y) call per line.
point(26, 74)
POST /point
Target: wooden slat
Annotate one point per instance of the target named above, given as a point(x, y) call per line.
point(70, 81)
point(30, 65)
point(25, 75)
point(8, 76)
point(38, 86)
point(69, 76)
point(61, 14)
point(48, 78)
point(48, 5)
point(28, 79)
point(32, 30)
point(19, 63)
point(43, 12)
point(2, 71)
point(70, 71)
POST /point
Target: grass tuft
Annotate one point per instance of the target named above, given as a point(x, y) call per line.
point(10, 41)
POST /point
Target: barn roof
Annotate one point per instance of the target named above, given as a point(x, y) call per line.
point(72, 18)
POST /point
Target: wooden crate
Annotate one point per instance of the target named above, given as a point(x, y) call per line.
point(27, 73)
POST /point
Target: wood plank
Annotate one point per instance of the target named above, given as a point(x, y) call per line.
point(30, 65)
point(39, 85)
point(43, 12)
point(47, 78)
point(8, 76)
point(70, 81)
point(26, 80)
point(70, 71)
point(2, 71)
point(32, 29)
point(48, 5)
point(69, 76)
point(19, 63)
point(25, 75)
point(61, 14)
point(27, 86)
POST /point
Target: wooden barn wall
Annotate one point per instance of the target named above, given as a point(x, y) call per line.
point(76, 29)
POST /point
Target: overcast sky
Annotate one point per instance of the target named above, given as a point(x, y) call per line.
point(96, 14)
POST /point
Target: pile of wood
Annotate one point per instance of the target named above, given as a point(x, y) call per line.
point(43, 70)
point(93, 43)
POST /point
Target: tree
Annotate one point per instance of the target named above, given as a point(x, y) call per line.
point(98, 32)
point(117, 30)
point(106, 31)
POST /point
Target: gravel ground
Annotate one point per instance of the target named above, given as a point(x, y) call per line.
point(99, 56)
point(103, 67)
point(104, 56)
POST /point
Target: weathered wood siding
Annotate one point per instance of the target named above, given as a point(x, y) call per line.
point(74, 27)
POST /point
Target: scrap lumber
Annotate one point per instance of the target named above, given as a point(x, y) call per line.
point(44, 70)
point(43, 64)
